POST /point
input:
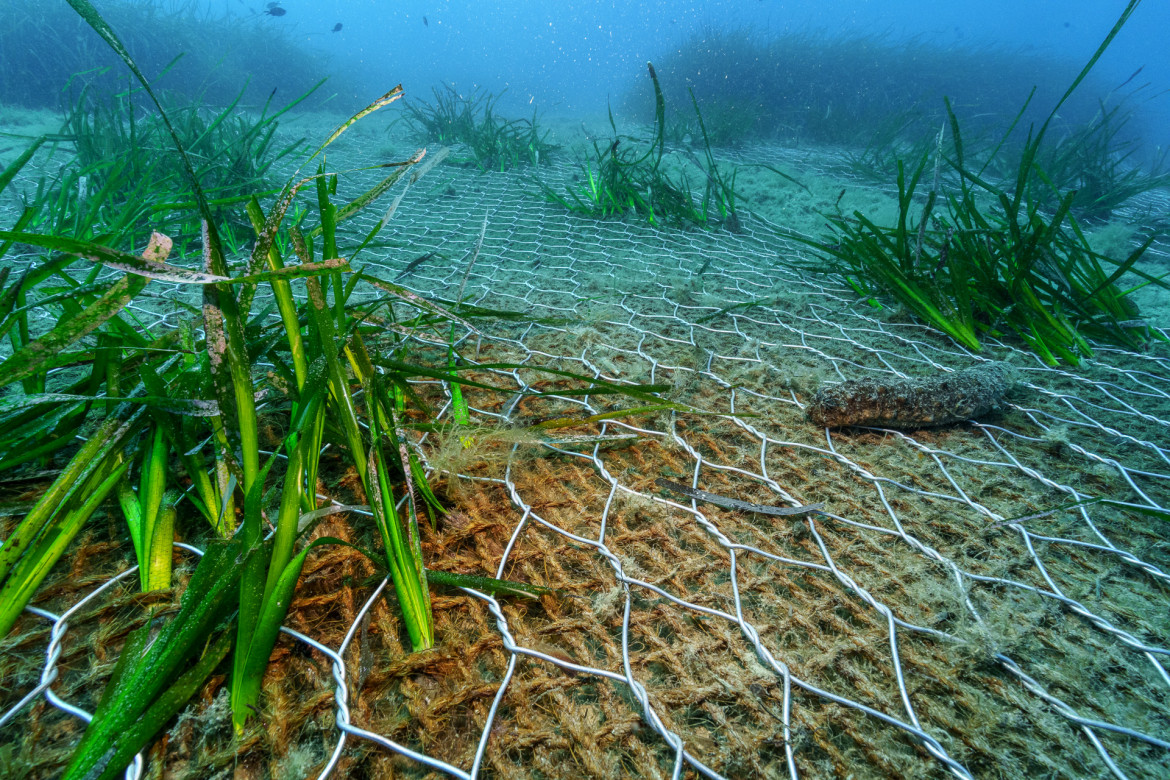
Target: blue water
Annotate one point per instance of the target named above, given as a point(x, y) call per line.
point(573, 55)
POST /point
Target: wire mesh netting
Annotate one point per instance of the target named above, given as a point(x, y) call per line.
point(934, 619)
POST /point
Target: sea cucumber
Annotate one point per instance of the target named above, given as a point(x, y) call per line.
point(913, 403)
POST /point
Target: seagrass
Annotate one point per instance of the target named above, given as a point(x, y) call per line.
point(727, 326)
point(699, 671)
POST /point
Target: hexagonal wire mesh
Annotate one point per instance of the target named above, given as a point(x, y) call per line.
point(906, 631)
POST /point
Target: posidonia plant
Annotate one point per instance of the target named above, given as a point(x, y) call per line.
point(630, 179)
point(152, 401)
point(624, 178)
point(982, 259)
point(496, 144)
point(125, 164)
point(155, 396)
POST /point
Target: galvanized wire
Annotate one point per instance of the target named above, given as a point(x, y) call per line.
point(653, 294)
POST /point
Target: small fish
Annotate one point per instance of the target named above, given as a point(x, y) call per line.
point(425, 22)
point(336, 27)
point(274, 9)
point(415, 263)
point(742, 506)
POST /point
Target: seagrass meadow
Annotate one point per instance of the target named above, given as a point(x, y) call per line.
point(334, 448)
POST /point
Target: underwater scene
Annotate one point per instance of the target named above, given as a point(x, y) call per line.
point(730, 389)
